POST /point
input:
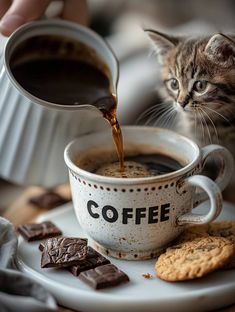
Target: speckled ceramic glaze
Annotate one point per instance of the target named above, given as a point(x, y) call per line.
point(136, 218)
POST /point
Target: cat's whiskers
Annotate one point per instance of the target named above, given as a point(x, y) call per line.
point(217, 113)
point(202, 127)
point(155, 115)
point(166, 119)
point(170, 123)
point(222, 107)
point(154, 111)
point(162, 114)
point(195, 123)
point(206, 126)
point(213, 125)
point(172, 119)
point(147, 112)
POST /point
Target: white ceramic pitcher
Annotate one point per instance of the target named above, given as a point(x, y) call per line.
point(33, 132)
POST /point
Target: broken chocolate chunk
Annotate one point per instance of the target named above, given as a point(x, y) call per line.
point(107, 275)
point(41, 247)
point(93, 260)
point(37, 231)
point(48, 200)
point(63, 252)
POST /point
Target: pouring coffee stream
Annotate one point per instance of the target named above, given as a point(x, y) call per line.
point(108, 107)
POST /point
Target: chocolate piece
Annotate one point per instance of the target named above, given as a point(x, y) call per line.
point(93, 260)
point(36, 231)
point(103, 276)
point(63, 252)
point(48, 200)
point(41, 247)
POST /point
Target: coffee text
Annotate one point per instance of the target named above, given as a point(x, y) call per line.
point(154, 214)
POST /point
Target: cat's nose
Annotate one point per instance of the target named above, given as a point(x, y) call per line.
point(183, 100)
point(184, 103)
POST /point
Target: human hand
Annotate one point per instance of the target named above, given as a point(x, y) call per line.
point(17, 12)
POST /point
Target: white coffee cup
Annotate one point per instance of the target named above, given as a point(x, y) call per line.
point(136, 218)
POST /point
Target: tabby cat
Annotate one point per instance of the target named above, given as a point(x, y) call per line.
point(199, 79)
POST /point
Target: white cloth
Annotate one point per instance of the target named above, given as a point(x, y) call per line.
point(17, 291)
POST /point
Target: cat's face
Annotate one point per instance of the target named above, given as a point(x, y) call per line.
point(196, 83)
point(199, 75)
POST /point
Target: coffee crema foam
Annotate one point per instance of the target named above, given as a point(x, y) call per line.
point(140, 161)
point(132, 169)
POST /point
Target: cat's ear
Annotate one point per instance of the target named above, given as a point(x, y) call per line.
point(162, 43)
point(221, 50)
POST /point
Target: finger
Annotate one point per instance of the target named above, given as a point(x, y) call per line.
point(76, 11)
point(4, 6)
point(20, 12)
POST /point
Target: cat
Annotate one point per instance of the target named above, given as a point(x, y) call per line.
point(199, 79)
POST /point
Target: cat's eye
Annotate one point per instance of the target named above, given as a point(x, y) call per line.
point(200, 86)
point(173, 84)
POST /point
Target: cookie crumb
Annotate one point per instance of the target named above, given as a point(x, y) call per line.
point(147, 275)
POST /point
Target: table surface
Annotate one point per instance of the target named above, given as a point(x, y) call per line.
point(15, 207)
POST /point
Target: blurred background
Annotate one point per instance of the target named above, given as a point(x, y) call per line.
point(121, 22)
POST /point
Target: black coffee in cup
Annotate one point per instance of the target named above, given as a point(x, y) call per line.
point(138, 163)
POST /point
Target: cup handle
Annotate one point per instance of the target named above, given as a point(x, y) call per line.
point(212, 191)
point(226, 168)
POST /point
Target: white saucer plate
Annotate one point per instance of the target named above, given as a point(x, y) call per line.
point(214, 291)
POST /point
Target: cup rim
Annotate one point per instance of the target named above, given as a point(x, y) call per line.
point(59, 23)
point(133, 181)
